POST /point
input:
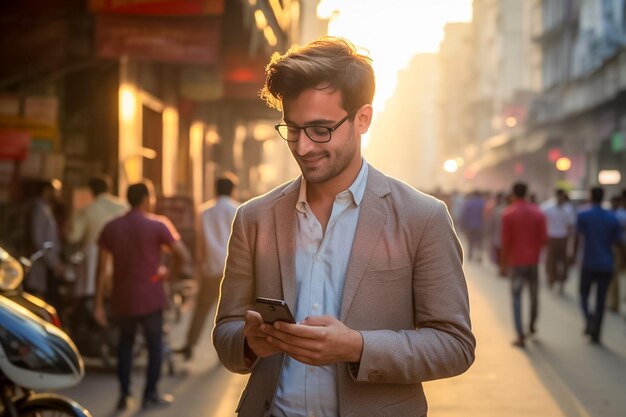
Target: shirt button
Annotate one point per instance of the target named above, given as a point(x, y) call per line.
point(315, 307)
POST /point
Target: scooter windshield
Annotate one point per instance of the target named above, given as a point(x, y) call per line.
point(30, 343)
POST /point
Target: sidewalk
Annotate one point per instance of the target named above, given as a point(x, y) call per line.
point(558, 374)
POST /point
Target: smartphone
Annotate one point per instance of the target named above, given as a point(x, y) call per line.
point(272, 310)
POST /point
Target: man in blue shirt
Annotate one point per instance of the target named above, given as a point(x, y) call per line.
point(600, 231)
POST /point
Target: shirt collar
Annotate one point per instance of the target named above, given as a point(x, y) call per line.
point(356, 190)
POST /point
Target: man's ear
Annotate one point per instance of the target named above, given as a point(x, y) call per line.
point(363, 118)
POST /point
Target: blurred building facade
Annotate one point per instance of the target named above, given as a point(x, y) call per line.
point(581, 112)
point(456, 90)
point(548, 94)
point(404, 136)
point(506, 76)
point(155, 89)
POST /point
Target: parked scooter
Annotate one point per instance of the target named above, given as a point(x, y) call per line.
point(14, 291)
point(34, 355)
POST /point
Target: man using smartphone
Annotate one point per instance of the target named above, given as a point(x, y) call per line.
point(370, 267)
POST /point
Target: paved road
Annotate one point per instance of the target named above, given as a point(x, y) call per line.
point(559, 373)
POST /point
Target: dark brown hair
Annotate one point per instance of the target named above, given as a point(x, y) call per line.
point(325, 63)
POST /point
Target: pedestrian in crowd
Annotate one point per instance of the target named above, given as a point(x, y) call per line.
point(620, 213)
point(457, 202)
point(134, 243)
point(600, 231)
point(216, 217)
point(370, 267)
point(85, 228)
point(493, 226)
point(472, 223)
point(523, 236)
point(46, 275)
point(561, 220)
point(613, 292)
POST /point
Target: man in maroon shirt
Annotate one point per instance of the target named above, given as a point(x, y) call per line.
point(523, 235)
point(134, 243)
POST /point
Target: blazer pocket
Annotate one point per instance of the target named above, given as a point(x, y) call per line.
point(389, 274)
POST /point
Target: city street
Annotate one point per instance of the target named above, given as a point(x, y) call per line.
point(559, 374)
point(132, 130)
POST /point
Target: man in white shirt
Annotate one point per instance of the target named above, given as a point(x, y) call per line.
point(215, 220)
point(86, 226)
point(561, 219)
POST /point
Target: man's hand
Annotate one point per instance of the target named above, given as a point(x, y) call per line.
point(256, 338)
point(101, 316)
point(318, 340)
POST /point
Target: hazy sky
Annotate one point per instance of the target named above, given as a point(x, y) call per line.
point(393, 31)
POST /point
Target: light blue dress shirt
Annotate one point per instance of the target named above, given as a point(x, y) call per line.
point(321, 264)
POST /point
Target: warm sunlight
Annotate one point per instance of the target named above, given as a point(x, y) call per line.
point(392, 31)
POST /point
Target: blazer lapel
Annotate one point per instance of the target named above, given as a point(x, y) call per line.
point(285, 221)
point(372, 218)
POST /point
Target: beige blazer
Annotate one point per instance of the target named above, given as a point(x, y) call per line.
point(404, 290)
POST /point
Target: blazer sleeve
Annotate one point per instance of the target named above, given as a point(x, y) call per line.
point(236, 291)
point(442, 344)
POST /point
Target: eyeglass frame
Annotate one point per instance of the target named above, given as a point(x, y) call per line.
point(330, 129)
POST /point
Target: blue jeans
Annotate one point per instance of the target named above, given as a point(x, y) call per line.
point(152, 325)
point(593, 321)
point(520, 276)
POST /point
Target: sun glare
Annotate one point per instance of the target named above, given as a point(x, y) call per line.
point(392, 32)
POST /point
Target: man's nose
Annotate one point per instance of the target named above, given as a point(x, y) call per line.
point(304, 143)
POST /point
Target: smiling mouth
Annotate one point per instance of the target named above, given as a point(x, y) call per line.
point(311, 159)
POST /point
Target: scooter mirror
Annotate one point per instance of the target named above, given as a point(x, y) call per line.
point(11, 272)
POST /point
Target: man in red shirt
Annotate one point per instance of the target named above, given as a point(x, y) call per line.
point(133, 243)
point(523, 235)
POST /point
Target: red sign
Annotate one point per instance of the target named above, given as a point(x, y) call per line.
point(192, 40)
point(14, 145)
point(159, 7)
point(244, 75)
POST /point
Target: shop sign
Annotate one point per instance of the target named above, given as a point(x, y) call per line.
point(35, 130)
point(244, 75)
point(192, 40)
point(14, 145)
point(42, 109)
point(159, 7)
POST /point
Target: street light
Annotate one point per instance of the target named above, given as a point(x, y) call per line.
point(563, 164)
point(511, 121)
point(450, 165)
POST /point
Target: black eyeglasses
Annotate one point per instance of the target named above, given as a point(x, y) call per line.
point(318, 134)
